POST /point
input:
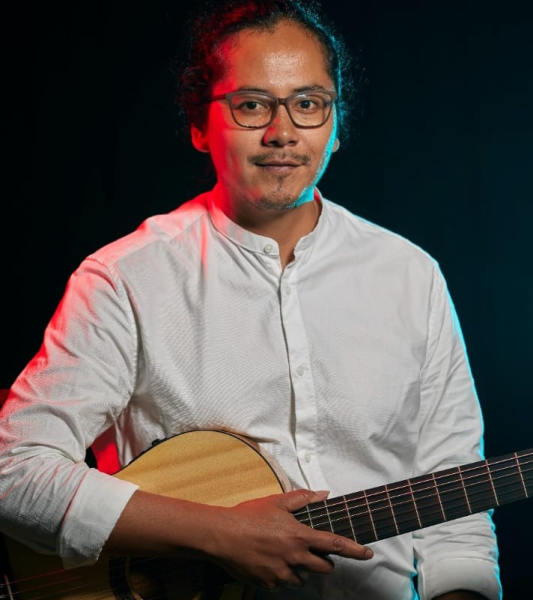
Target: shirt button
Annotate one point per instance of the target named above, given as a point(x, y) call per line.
point(308, 457)
point(268, 248)
point(300, 370)
point(288, 290)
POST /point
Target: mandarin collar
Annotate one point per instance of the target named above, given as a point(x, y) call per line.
point(253, 241)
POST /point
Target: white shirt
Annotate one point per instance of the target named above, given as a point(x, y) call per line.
point(348, 367)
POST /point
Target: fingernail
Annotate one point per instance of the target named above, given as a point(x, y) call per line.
point(368, 553)
point(322, 494)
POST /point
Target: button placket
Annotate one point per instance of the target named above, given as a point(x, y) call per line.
point(301, 378)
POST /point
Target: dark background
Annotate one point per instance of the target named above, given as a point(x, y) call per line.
point(441, 154)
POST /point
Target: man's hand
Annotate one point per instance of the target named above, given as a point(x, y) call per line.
point(261, 543)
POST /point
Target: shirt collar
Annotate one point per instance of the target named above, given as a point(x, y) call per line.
point(253, 241)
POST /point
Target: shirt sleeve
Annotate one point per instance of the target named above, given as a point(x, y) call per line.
point(71, 392)
point(460, 554)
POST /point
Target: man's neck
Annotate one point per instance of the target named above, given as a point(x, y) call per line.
point(285, 226)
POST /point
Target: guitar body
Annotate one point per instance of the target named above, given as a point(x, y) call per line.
point(224, 469)
point(209, 467)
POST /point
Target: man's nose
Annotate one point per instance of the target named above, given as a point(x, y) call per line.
point(282, 131)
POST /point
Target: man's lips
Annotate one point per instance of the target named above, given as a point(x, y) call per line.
point(280, 169)
point(271, 160)
point(280, 163)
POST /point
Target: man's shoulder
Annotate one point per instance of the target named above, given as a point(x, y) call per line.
point(362, 233)
point(158, 230)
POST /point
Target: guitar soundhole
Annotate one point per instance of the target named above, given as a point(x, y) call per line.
point(147, 578)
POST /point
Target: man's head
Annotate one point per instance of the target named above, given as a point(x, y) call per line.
point(275, 48)
point(222, 20)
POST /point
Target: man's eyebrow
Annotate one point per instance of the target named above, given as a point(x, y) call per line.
point(304, 88)
point(248, 88)
point(310, 88)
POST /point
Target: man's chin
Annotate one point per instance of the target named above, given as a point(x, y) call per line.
point(282, 199)
point(276, 203)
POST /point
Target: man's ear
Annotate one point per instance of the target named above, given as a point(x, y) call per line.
point(336, 145)
point(199, 139)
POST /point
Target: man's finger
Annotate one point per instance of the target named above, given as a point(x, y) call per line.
point(326, 543)
point(299, 498)
point(321, 564)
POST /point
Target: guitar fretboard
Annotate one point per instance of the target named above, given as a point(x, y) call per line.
point(412, 504)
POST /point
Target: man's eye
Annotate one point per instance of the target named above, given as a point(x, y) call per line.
point(251, 105)
point(308, 104)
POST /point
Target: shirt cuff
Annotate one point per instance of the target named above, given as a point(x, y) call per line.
point(91, 516)
point(465, 573)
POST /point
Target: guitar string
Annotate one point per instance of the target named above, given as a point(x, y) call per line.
point(83, 578)
point(336, 520)
point(369, 531)
point(434, 494)
point(475, 490)
point(400, 520)
point(386, 508)
point(200, 566)
point(409, 486)
point(188, 566)
point(106, 591)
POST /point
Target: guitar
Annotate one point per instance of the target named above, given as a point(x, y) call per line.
point(225, 469)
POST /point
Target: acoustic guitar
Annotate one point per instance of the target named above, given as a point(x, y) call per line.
point(224, 469)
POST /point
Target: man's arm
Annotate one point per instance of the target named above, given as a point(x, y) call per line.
point(70, 393)
point(461, 554)
point(258, 542)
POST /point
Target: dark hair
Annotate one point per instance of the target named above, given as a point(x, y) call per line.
point(219, 21)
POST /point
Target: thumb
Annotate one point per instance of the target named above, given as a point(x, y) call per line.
point(296, 499)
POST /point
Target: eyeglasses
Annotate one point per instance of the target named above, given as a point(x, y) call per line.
point(255, 110)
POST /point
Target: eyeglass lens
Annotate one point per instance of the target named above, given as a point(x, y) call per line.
point(253, 109)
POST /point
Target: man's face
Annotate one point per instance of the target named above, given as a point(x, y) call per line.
point(275, 167)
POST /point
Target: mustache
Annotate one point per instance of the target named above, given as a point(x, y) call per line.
point(302, 159)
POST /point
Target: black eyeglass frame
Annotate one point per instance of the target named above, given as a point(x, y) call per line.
point(279, 101)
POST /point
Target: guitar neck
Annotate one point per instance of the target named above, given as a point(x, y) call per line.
point(412, 504)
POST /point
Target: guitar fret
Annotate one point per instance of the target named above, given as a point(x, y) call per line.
point(520, 473)
point(427, 503)
point(361, 517)
point(480, 487)
point(349, 517)
point(375, 514)
point(392, 510)
point(370, 514)
point(403, 511)
point(404, 506)
point(381, 509)
point(328, 516)
point(464, 489)
point(309, 515)
point(438, 496)
point(8, 587)
point(525, 458)
point(414, 503)
point(492, 483)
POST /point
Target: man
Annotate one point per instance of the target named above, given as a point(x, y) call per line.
point(262, 309)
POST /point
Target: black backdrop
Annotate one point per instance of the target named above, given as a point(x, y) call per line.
point(441, 154)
